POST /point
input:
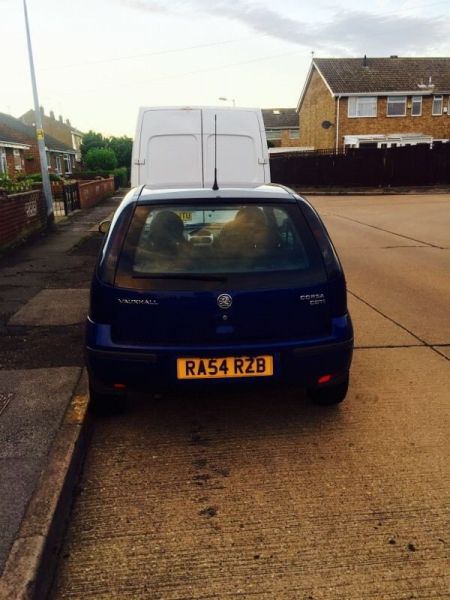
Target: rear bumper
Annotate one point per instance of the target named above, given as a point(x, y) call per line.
point(295, 361)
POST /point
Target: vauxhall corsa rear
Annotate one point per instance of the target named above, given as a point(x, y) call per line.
point(198, 286)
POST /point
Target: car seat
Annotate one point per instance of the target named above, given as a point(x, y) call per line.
point(166, 232)
point(248, 234)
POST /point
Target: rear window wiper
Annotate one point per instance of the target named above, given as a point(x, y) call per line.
point(188, 276)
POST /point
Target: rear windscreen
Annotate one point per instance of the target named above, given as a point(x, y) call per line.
point(264, 245)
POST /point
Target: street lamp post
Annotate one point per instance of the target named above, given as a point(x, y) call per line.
point(228, 100)
point(39, 129)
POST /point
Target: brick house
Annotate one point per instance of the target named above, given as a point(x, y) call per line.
point(281, 125)
point(58, 129)
point(12, 155)
point(375, 102)
point(20, 154)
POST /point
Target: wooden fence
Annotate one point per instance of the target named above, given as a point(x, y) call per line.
point(365, 167)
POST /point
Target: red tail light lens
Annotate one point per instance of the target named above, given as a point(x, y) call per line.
point(324, 379)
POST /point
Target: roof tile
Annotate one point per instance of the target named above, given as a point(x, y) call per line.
point(351, 76)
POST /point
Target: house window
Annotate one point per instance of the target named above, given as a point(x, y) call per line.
point(17, 160)
point(437, 105)
point(273, 134)
point(416, 106)
point(362, 106)
point(67, 165)
point(3, 163)
point(396, 106)
point(58, 164)
point(294, 134)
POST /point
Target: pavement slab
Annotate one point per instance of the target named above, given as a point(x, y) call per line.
point(445, 350)
point(53, 307)
point(17, 481)
point(34, 402)
point(38, 398)
point(423, 217)
point(372, 329)
point(410, 286)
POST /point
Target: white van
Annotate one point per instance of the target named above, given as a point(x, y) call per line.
point(178, 147)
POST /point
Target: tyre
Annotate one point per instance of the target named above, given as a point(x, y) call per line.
point(327, 396)
point(106, 404)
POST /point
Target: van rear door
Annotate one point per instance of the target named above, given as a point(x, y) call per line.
point(170, 148)
point(242, 156)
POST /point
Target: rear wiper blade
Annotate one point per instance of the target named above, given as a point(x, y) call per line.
point(192, 277)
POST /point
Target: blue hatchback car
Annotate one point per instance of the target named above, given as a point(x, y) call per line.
point(199, 286)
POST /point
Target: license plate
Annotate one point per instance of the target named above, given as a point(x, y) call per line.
point(225, 367)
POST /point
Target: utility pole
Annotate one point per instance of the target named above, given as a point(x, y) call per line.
point(39, 129)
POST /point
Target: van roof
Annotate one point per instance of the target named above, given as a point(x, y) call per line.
point(267, 192)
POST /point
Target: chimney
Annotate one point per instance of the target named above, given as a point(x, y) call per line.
point(52, 115)
point(42, 110)
point(394, 56)
point(60, 119)
point(68, 122)
point(365, 61)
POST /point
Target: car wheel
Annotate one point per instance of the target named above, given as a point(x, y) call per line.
point(327, 396)
point(106, 404)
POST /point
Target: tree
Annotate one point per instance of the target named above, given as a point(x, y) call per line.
point(122, 147)
point(101, 158)
point(91, 139)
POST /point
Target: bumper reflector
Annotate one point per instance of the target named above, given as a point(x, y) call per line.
point(324, 379)
point(119, 386)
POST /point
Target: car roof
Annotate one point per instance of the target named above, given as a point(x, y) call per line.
point(267, 192)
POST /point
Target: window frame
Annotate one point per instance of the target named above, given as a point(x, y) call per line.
point(273, 134)
point(3, 161)
point(420, 104)
point(18, 162)
point(396, 100)
point(358, 102)
point(58, 164)
point(437, 114)
point(67, 163)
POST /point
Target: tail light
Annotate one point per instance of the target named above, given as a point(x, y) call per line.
point(113, 246)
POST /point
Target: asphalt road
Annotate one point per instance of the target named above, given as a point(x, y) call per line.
point(259, 494)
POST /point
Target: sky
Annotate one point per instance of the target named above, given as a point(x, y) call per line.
point(97, 61)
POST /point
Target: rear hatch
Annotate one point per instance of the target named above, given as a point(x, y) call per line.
point(180, 147)
point(219, 274)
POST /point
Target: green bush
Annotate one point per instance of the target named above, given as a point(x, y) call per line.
point(122, 172)
point(38, 177)
point(101, 158)
point(14, 186)
point(89, 175)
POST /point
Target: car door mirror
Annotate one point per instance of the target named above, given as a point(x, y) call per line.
point(104, 227)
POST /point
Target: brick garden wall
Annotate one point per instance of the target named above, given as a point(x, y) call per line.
point(91, 192)
point(20, 215)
